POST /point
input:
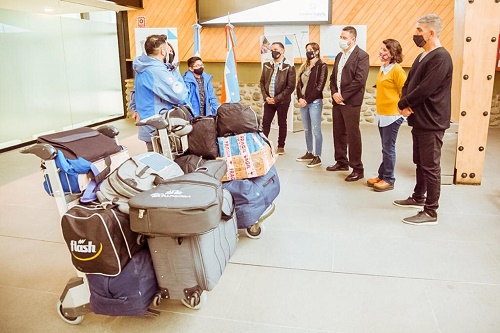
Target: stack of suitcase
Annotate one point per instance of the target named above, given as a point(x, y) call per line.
point(234, 136)
point(255, 185)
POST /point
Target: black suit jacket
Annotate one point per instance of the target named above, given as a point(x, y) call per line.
point(354, 75)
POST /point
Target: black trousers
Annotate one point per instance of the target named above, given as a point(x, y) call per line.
point(269, 112)
point(347, 136)
point(427, 157)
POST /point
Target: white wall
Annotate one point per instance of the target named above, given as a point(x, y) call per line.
point(55, 73)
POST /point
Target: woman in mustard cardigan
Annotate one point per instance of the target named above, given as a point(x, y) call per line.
point(390, 81)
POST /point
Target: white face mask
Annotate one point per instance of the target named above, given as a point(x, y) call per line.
point(344, 45)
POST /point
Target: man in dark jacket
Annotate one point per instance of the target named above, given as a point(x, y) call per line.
point(277, 83)
point(347, 85)
point(426, 101)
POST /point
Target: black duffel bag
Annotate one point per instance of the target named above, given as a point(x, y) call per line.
point(236, 118)
point(83, 142)
point(202, 141)
point(99, 239)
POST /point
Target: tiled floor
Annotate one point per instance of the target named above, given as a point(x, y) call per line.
point(335, 256)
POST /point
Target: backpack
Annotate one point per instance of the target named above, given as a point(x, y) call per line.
point(139, 173)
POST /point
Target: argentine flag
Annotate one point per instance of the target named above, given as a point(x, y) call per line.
point(230, 85)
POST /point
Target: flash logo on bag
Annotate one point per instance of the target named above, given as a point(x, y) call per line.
point(80, 247)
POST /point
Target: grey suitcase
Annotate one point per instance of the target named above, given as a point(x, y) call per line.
point(188, 205)
point(187, 266)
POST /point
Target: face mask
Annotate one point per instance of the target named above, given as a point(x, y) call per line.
point(171, 57)
point(384, 57)
point(275, 54)
point(198, 71)
point(419, 40)
point(344, 45)
point(310, 55)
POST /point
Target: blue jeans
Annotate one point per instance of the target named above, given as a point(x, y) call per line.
point(388, 135)
point(311, 120)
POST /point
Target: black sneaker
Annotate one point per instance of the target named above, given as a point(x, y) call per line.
point(306, 158)
point(315, 162)
point(422, 218)
point(410, 203)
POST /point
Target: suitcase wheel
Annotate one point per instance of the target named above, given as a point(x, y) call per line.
point(67, 319)
point(195, 301)
point(141, 239)
point(255, 231)
point(157, 300)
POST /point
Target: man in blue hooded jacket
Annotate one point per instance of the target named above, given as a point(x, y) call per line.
point(158, 84)
point(201, 91)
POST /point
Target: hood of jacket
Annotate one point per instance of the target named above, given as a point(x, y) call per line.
point(143, 62)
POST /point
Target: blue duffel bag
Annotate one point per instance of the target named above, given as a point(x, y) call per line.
point(253, 196)
point(128, 294)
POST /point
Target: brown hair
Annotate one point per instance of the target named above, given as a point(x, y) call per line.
point(153, 43)
point(315, 47)
point(395, 50)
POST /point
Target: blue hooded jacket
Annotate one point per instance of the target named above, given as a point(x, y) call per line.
point(157, 86)
point(211, 103)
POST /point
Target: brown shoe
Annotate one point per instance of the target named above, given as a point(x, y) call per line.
point(337, 167)
point(354, 176)
point(280, 151)
point(382, 186)
point(371, 181)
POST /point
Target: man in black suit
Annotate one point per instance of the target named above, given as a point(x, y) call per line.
point(347, 85)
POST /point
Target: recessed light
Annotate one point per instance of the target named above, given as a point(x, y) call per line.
point(48, 10)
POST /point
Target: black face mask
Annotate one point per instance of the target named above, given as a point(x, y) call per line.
point(310, 55)
point(419, 40)
point(275, 54)
point(198, 71)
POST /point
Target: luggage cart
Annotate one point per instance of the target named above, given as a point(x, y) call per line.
point(256, 230)
point(74, 301)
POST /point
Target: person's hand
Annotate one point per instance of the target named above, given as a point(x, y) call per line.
point(406, 111)
point(338, 98)
point(270, 100)
point(302, 102)
point(136, 116)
